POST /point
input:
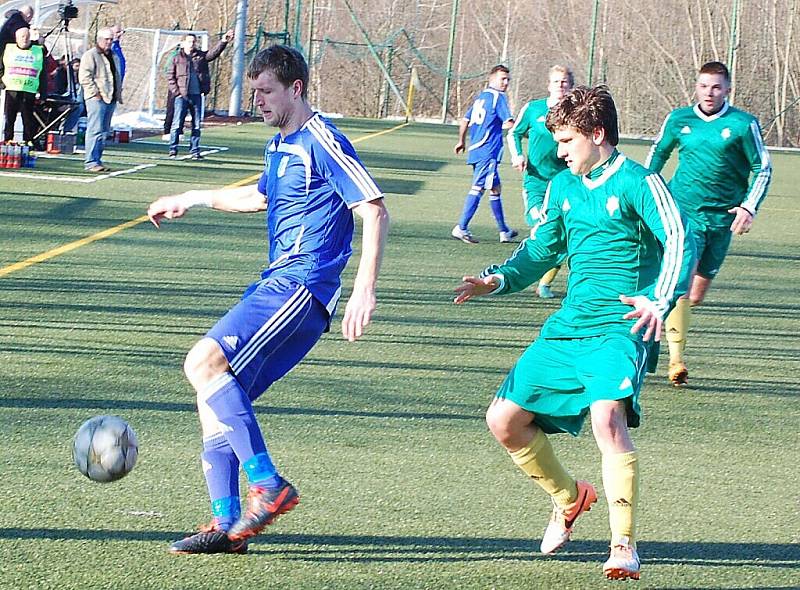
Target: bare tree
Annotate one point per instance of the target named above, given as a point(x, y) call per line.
point(648, 53)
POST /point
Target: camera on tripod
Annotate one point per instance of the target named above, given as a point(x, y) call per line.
point(67, 10)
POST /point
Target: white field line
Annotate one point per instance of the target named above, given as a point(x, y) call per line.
point(78, 180)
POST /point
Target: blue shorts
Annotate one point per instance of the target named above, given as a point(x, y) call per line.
point(269, 331)
point(485, 175)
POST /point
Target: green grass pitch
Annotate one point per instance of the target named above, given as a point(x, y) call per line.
point(402, 485)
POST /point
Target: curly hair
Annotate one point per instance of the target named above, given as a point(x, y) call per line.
point(586, 109)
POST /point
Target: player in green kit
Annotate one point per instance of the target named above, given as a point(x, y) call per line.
point(722, 178)
point(629, 260)
point(542, 162)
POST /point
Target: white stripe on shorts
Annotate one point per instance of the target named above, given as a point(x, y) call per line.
point(275, 324)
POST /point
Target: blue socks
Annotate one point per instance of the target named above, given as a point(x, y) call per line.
point(260, 471)
point(234, 411)
point(470, 207)
point(496, 204)
point(221, 470)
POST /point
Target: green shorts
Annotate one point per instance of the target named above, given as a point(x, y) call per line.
point(712, 245)
point(559, 379)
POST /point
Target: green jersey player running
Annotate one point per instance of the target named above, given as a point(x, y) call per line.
point(542, 162)
point(629, 260)
point(722, 178)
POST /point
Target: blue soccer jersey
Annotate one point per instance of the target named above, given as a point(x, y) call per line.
point(312, 178)
point(486, 117)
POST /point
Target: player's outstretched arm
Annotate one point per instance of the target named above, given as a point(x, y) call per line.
point(241, 199)
point(361, 305)
point(472, 287)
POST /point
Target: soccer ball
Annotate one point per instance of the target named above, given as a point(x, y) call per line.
point(105, 448)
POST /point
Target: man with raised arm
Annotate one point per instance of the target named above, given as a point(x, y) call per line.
point(312, 183)
point(629, 260)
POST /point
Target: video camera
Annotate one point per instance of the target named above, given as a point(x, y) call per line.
point(67, 10)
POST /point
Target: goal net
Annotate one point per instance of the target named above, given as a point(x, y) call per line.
point(148, 54)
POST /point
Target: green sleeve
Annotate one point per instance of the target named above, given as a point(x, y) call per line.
point(661, 215)
point(518, 131)
point(662, 146)
point(760, 166)
point(535, 255)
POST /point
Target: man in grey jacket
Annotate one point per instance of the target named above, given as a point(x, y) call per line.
point(100, 79)
point(189, 79)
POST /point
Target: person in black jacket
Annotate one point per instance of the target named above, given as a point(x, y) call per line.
point(15, 20)
point(190, 79)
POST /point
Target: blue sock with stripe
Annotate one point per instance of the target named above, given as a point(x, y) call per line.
point(234, 410)
point(221, 470)
point(470, 207)
point(496, 203)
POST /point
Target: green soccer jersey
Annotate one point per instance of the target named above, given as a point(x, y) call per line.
point(623, 235)
point(543, 162)
point(722, 162)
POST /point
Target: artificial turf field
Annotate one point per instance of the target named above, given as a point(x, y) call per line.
point(402, 485)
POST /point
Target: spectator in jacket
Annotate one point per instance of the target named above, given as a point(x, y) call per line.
point(189, 80)
point(102, 90)
point(15, 20)
point(23, 76)
point(117, 31)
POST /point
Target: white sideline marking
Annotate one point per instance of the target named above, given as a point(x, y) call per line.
point(204, 152)
point(181, 143)
point(78, 180)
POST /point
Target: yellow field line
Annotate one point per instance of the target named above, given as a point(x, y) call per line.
point(69, 247)
point(378, 133)
point(7, 270)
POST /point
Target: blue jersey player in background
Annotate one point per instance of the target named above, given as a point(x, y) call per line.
point(486, 119)
point(312, 182)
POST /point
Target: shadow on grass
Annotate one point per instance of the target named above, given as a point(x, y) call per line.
point(112, 405)
point(380, 548)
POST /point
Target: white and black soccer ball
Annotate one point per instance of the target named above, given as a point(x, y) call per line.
point(105, 448)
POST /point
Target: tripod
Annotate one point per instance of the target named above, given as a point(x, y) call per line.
point(63, 105)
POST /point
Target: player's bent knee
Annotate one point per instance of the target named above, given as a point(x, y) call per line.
point(610, 426)
point(608, 419)
point(493, 420)
point(204, 361)
point(501, 424)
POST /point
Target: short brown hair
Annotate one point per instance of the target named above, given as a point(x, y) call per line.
point(716, 67)
point(586, 109)
point(285, 62)
point(499, 68)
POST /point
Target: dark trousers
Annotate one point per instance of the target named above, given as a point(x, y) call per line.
point(170, 113)
point(19, 102)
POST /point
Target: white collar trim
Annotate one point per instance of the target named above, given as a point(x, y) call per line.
point(708, 118)
point(607, 173)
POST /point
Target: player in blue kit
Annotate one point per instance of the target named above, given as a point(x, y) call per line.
point(486, 119)
point(312, 181)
